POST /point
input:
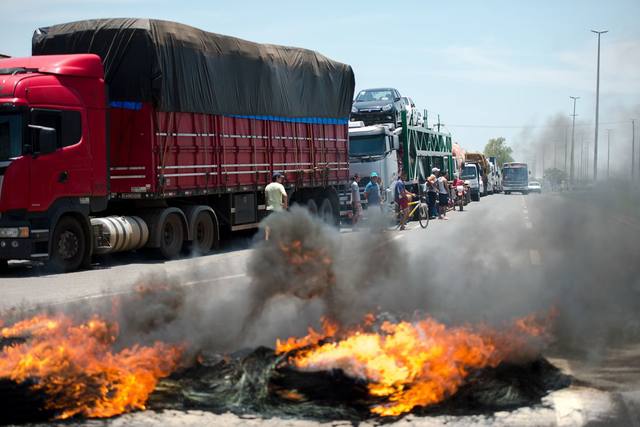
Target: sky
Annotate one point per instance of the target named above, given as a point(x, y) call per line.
point(487, 68)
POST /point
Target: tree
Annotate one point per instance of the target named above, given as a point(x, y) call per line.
point(498, 149)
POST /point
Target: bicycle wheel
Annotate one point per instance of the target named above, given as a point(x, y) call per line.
point(423, 215)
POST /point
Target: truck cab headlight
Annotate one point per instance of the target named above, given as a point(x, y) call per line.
point(14, 232)
point(387, 107)
point(354, 110)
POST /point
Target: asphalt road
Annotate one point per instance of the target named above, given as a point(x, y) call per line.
point(503, 256)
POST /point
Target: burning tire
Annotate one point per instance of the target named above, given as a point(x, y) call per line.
point(171, 236)
point(69, 249)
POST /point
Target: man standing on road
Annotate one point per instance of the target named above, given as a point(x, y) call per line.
point(402, 199)
point(432, 193)
point(443, 195)
point(356, 205)
point(372, 192)
point(276, 198)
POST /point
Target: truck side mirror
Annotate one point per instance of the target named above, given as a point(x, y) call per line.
point(44, 140)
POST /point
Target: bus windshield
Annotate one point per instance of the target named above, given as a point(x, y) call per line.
point(515, 174)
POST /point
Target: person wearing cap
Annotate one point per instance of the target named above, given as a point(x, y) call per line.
point(275, 197)
point(372, 191)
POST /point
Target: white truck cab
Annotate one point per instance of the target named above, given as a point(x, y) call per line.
point(374, 149)
point(471, 173)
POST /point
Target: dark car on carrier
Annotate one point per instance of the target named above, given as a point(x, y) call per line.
point(377, 106)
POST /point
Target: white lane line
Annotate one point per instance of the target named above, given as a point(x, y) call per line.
point(534, 257)
point(132, 290)
point(398, 236)
point(528, 224)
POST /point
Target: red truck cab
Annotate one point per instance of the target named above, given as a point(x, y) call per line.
point(53, 154)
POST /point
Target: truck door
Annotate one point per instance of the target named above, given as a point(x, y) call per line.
point(61, 169)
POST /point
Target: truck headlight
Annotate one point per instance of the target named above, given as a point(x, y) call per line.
point(14, 232)
point(387, 107)
point(354, 110)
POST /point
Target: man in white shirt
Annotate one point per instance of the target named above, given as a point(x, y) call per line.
point(275, 197)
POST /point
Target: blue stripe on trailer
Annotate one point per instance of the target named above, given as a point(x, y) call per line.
point(310, 120)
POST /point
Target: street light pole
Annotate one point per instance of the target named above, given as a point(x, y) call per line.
point(633, 149)
point(595, 144)
point(608, 150)
point(573, 132)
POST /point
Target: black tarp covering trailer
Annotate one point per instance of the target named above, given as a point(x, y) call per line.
point(181, 68)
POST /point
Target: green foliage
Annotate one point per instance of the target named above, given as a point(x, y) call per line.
point(497, 148)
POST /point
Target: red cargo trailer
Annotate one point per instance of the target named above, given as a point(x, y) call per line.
point(125, 133)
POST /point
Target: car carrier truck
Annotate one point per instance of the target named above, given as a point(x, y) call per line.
point(414, 149)
point(119, 134)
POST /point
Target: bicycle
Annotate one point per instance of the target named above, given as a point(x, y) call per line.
point(422, 213)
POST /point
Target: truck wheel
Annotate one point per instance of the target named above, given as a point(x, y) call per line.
point(203, 233)
point(312, 206)
point(326, 212)
point(4, 265)
point(68, 246)
point(171, 236)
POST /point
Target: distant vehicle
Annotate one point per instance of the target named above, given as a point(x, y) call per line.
point(471, 173)
point(484, 170)
point(534, 187)
point(515, 177)
point(412, 112)
point(495, 173)
point(378, 106)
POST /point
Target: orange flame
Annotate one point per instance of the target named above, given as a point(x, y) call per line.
point(76, 367)
point(408, 364)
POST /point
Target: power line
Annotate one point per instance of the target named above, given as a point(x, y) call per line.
point(528, 126)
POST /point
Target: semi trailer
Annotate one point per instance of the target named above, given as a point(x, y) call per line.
point(119, 134)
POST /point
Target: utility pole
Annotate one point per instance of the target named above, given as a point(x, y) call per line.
point(555, 154)
point(608, 151)
point(573, 132)
point(566, 148)
point(595, 144)
point(633, 149)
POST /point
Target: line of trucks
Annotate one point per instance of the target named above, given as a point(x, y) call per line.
point(121, 134)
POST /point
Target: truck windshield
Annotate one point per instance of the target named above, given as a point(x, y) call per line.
point(10, 135)
point(367, 146)
point(469, 172)
point(514, 174)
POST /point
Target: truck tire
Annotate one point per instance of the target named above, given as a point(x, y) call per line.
point(475, 196)
point(312, 206)
point(68, 246)
point(171, 236)
point(326, 212)
point(507, 192)
point(204, 233)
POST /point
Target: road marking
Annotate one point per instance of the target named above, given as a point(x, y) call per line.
point(534, 257)
point(528, 224)
point(398, 236)
point(132, 290)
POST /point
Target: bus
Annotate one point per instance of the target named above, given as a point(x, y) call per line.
point(515, 177)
